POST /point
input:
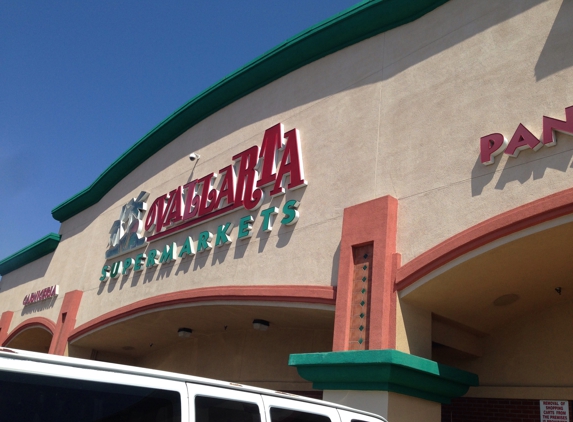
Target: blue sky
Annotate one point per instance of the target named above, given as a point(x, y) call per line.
point(82, 81)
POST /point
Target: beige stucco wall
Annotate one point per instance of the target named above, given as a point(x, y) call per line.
point(15, 286)
point(392, 406)
point(527, 358)
point(413, 330)
point(247, 357)
point(251, 357)
point(398, 114)
point(502, 69)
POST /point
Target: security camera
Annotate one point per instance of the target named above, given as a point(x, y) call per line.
point(193, 156)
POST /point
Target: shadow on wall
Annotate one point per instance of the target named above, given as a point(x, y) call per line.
point(522, 173)
point(451, 31)
point(557, 53)
point(39, 306)
point(519, 169)
point(335, 262)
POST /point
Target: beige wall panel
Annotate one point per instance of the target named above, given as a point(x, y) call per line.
point(392, 406)
point(532, 352)
point(369, 401)
point(475, 78)
point(413, 330)
point(403, 408)
point(16, 285)
point(251, 357)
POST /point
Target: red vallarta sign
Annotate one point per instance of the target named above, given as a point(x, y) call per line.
point(238, 185)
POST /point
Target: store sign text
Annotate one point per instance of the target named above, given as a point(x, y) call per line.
point(40, 295)
point(205, 242)
point(494, 144)
point(554, 410)
point(238, 185)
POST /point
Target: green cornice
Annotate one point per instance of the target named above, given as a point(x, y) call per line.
point(38, 249)
point(364, 20)
point(383, 370)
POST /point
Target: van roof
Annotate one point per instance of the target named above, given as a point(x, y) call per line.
point(9, 353)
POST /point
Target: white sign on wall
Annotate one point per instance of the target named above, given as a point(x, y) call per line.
point(554, 410)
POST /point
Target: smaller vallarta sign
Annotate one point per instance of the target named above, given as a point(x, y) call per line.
point(40, 295)
point(494, 144)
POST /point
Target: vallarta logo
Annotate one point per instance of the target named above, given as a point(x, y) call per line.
point(273, 168)
point(126, 234)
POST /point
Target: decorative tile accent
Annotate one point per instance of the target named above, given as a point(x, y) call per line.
point(361, 283)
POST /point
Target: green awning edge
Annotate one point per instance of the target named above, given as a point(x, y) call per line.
point(30, 253)
point(362, 21)
point(384, 370)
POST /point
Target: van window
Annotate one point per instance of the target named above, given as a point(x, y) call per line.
point(214, 409)
point(38, 398)
point(288, 415)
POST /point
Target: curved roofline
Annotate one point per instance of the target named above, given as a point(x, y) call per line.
point(362, 21)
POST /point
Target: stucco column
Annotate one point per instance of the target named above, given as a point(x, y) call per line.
point(5, 322)
point(66, 322)
point(392, 406)
point(370, 223)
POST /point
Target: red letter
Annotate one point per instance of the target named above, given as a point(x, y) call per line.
point(272, 142)
point(490, 146)
point(291, 164)
point(155, 215)
point(174, 211)
point(191, 200)
point(227, 191)
point(522, 139)
point(551, 125)
point(208, 193)
point(246, 193)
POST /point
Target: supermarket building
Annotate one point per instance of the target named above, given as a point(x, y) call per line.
point(379, 211)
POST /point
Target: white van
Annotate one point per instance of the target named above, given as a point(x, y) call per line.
point(36, 387)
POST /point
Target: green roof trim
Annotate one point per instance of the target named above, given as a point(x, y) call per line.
point(384, 370)
point(30, 253)
point(362, 21)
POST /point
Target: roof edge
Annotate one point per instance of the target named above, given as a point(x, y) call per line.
point(362, 21)
point(30, 253)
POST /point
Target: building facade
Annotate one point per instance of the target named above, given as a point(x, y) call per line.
point(376, 212)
